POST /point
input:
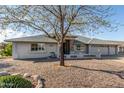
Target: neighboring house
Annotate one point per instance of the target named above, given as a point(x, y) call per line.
point(74, 47)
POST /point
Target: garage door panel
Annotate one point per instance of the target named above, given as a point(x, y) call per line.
point(103, 50)
point(112, 50)
point(99, 50)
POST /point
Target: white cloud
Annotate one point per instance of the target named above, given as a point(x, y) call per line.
point(6, 34)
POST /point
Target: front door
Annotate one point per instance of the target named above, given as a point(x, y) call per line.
point(66, 47)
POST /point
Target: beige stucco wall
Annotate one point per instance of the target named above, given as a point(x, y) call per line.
point(23, 50)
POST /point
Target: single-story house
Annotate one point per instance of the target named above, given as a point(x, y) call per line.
point(42, 46)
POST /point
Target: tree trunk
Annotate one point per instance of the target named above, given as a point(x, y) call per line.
point(62, 37)
point(61, 54)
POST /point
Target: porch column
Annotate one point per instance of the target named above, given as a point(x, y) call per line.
point(116, 50)
point(108, 50)
point(58, 50)
point(71, 46)
point(87, 49)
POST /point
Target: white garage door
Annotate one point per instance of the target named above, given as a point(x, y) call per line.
point(99, 50)
point(112, 50)
point(104, 50)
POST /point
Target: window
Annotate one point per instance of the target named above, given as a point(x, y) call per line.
point(37, 47)
point(78, 47)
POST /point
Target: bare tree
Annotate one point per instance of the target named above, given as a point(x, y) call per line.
point(58, 20)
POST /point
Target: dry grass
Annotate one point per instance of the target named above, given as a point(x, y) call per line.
point(76, 73)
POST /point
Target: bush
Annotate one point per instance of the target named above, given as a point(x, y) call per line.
point(7, 51)
point(14, 82)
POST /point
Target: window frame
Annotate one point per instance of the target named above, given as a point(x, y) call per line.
point(37, 47)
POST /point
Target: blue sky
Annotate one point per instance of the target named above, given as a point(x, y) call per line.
point(119, 35)
point(119, 17)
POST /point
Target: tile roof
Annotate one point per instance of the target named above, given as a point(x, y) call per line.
point(95, 41)
point(38, 38)
point(45, 39)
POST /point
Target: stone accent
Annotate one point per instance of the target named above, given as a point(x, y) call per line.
point(14, 74)
point(39, 80)
point(26, 75)
point(4, 73)
point(36, 77)
point(39, 84)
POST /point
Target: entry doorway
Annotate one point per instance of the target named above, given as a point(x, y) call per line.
point(66, 47)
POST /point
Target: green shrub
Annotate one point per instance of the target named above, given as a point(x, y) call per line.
point(7, 51)
point(14, 82)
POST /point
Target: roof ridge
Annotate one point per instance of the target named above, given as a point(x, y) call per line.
point(90, 40)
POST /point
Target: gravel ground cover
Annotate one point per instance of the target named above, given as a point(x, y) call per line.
point(76, 74)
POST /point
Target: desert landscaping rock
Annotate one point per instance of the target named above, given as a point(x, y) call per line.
point(4, 73)
point(39, 84)
point(77, 73)
point(26, 75)
point(36, 77)
point(14, 74)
